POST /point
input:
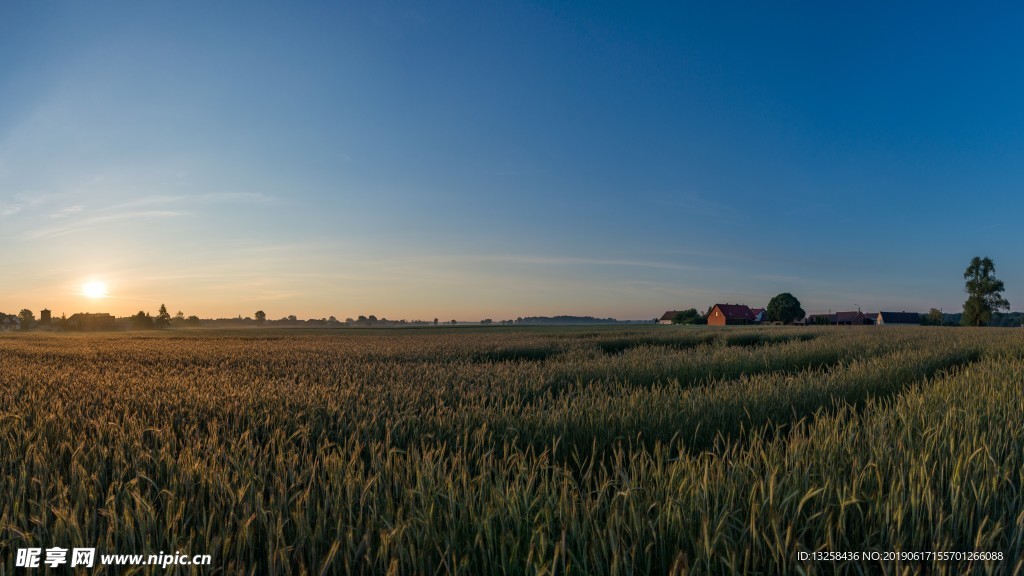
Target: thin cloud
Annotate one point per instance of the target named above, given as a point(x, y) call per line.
point(24, 201)
point(785, 279)
point(139, 214)
point(583, 261)
point(239, 197)
point(155, 199)
point(208, 198)
point(77, 219)
point(65, 212)
point(90, 222)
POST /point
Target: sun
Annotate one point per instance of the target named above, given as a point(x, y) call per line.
point(94, 289)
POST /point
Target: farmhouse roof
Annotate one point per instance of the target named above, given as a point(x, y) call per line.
point(92, 315)
point(736, 311)
point(900, 317)
point(669, 315)
point(855, 317)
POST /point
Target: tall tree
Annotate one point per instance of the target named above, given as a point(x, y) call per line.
point(784, 308)
point(984, 292)
point(163, 318)
point(261, 316)
point(27, 317)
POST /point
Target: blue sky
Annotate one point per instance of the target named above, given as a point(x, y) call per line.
point(469, 160)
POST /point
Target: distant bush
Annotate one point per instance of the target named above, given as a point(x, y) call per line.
point(690, 316)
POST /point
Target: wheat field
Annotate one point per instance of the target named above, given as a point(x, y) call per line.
point(611, 450)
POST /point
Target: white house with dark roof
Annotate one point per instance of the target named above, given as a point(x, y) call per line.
point(667, 317)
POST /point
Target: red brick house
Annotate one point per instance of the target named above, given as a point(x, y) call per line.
point(723, 314)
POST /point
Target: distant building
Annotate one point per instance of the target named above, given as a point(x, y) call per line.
point(9, 322)
point(898, 318)
point(856, 318)
point(44, 316)
point(667, 317)
point(760, 315)
point(723, 314)
point(821, 319)
point(90, 321)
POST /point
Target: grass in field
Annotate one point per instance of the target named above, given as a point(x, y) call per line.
point(657, 450)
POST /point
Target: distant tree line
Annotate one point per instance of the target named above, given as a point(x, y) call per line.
point(985, 306)
point(568, 320)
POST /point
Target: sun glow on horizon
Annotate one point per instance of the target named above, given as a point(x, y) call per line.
point(94, 289)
